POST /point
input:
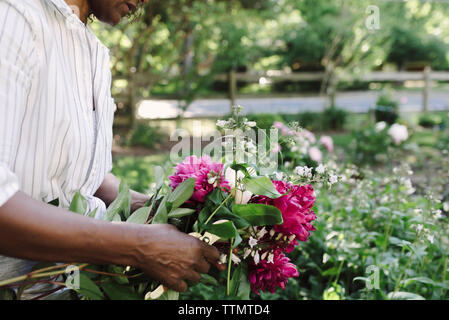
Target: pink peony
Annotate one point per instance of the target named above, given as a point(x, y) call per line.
point(208, 176)
point(315, 154)
point(328, 143)
point(297, 213)
point(267, 276)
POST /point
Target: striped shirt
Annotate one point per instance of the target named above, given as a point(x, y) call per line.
point(56, 109)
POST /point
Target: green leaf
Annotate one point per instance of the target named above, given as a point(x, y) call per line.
point(258, 214)
point(117, 218)
point(161, 215)
point(89, 289)
point(182, 193)
point(169, 295)
point(180, 212)
point(239, 222)
point(261, 186)
point(118, 292)
point(224, 230)
point(400, 295)
point(140, 216)
point(240, 286)
point(425, 280)
point(208, 280)
point(159, 174)
point(93, 213)
point(237, 241)
point(241, 167)
point(121, 204)
point(78, 204)
point(215, 197)
point(118, 270)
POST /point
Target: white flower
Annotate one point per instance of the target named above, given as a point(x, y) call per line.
point(242, 197)
point(256, 258)
point(261, 233)
point(409, 187)
point(431, 238)
point(212, 180)
point(380, 126)
point(279, 175)
point(251, 124)
point(270, 258)
point(419, 228)
point(446, 206)
point(398, 133)
point(235, 259)
point(333, 179)
point(299, 171)
point(252, 242)
point(303, 171)
point(221, 123)
point(320, 169)
point(247, 253)
point(223, 258)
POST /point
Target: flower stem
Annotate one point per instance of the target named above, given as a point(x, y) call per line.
point(216, 210)
point(39, 274)
point(228, 284)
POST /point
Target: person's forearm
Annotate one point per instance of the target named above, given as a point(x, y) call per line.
point(33, 230)
point(108, 192)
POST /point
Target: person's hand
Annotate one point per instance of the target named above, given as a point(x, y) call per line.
point(172, 257)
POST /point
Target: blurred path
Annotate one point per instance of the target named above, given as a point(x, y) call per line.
point(358, 101)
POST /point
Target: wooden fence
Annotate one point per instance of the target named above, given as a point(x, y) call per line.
point(427, 76)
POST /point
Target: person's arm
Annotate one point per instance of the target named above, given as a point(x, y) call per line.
point(33, 230)
point(108, 192)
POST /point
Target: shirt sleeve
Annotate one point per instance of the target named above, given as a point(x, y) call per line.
point(18, 62)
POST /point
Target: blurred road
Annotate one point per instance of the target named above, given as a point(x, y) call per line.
point(359, 101)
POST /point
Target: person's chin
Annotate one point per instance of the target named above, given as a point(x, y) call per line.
point(113, 20)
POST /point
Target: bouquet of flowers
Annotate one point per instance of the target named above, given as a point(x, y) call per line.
point(253, 219)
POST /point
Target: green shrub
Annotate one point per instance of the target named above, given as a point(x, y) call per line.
point(387, 109)
point(369, 145)
point(429, 120)
point(333, 118)
point(145, 135)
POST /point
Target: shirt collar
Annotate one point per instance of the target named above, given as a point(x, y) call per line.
point(73, 22)
point(62, 7)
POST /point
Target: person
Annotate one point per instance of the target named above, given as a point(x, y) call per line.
point(56, 116)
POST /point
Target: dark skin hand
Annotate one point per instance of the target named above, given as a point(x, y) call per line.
point(33, 230)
